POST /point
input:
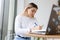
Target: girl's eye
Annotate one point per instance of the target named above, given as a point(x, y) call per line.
point(33, 11)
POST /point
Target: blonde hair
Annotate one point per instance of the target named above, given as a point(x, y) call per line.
point(30, 5)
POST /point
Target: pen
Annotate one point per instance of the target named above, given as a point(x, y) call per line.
point(35, 24)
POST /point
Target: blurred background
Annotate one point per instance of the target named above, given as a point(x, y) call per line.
point(10, 8)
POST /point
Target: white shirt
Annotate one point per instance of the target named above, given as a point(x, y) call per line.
point(23, 25)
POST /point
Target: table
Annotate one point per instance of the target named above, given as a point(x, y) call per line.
point(42, 36)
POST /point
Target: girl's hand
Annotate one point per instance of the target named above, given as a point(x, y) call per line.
point(37, 28)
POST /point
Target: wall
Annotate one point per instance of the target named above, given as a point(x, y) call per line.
point(20, 6)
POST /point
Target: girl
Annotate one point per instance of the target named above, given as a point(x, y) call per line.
point(26, 22)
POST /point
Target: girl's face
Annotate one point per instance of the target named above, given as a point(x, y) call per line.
point(31, 12)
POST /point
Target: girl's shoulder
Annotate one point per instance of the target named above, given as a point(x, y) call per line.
point(18, 17)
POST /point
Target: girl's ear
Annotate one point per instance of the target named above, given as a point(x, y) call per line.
point(25, 8)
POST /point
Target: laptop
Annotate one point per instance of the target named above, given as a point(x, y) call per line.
point(52, 27)
point(54, 22)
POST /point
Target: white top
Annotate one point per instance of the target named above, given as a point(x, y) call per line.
point(23, 25)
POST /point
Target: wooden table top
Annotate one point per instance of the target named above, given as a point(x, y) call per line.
point(42, 35)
